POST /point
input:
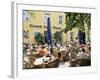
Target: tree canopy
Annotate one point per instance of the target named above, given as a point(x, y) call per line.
point(38, 37)
point(77, 20)
point(58, 37)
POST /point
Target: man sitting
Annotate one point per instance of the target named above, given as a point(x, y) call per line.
point(43, 51)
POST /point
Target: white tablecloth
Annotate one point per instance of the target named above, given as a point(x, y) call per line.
point(40, 60)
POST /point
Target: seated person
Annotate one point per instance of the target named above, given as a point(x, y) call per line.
point(83, 59)
point(82, 54)
point(43, 52)
point(73, 59)
point(28, 52)
point(62, 47)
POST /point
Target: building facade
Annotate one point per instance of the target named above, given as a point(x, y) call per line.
point(35, 22)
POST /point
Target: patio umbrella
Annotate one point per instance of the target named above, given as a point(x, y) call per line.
point(49, 35)
point(80, 37)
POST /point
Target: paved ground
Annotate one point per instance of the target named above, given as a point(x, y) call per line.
point(63, 65)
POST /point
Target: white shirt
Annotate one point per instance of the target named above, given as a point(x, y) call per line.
point(82, 55)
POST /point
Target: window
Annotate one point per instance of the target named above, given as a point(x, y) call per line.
point(46, 17)
point(45, 36)
point(25, 34)
point(45, 32)
point(60, 19)
point(71, 36)
point(25, 15)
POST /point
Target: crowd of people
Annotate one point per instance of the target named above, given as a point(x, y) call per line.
point(49, 56)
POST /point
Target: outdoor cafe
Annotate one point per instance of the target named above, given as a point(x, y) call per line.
point(55, 55)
